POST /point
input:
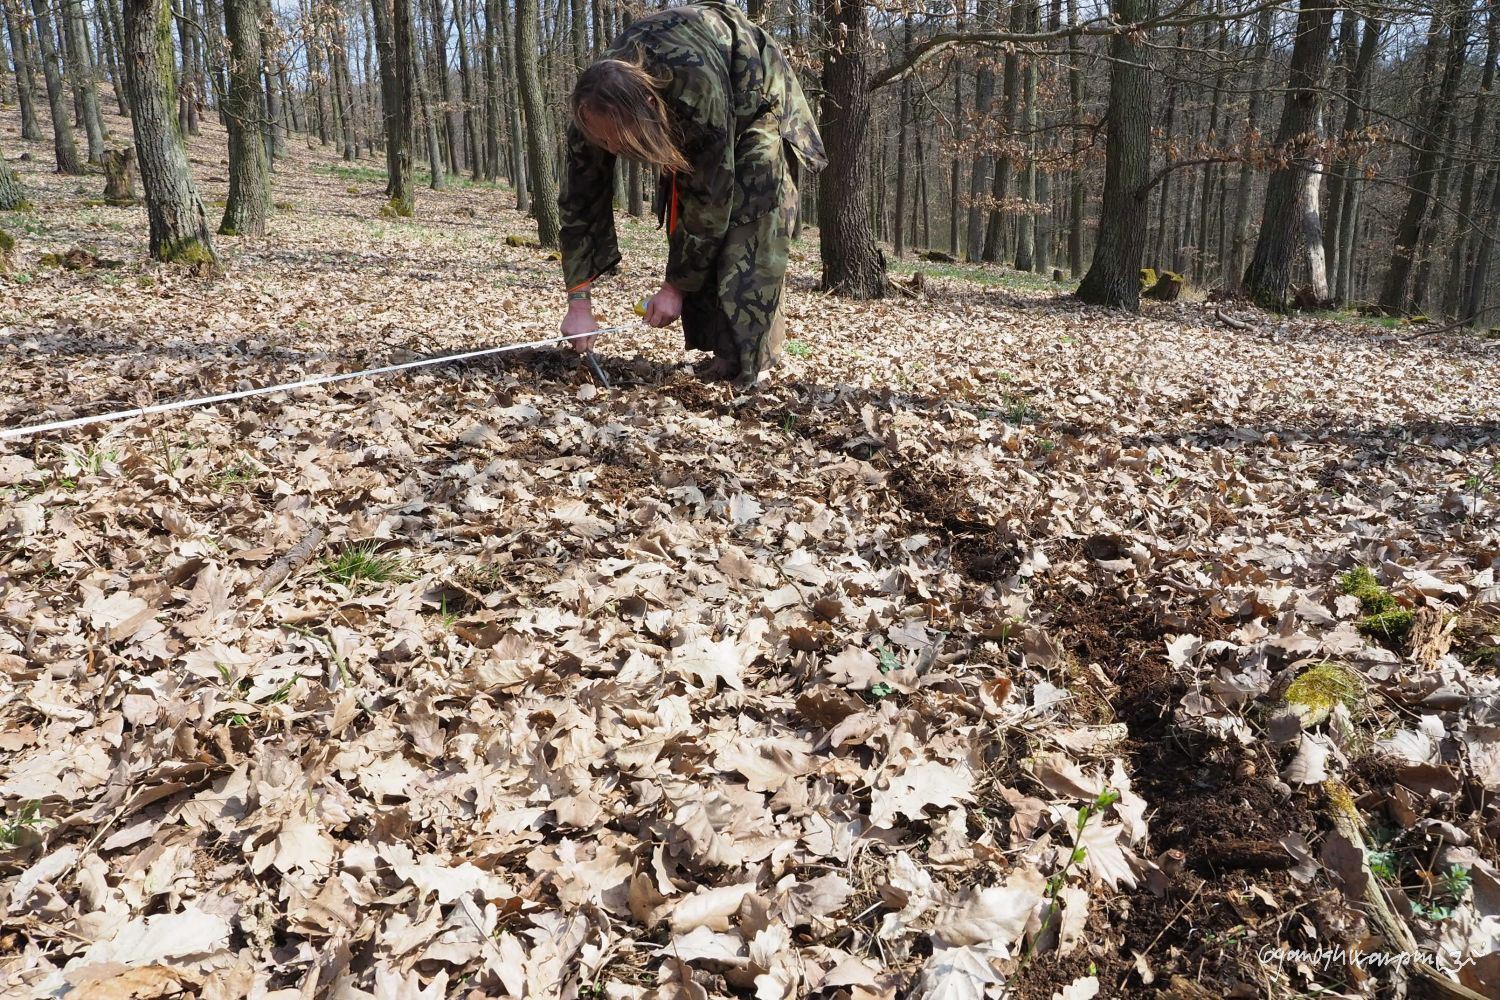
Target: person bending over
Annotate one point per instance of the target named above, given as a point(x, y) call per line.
point(708, 99)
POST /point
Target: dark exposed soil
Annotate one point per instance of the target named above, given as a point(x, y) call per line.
point(1216, 821)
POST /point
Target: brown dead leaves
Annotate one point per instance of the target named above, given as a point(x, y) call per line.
point(672, 695)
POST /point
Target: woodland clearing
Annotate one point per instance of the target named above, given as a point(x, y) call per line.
point(999, 640)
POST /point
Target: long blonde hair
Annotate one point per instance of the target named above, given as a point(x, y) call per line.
point(625, 92)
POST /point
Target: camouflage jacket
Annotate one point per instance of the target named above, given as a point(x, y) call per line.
point(726, 75)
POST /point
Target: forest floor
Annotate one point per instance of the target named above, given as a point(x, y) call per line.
point(482, 680)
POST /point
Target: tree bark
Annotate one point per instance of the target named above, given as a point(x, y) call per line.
point(429, 117)
point(492, 94)
point(1312, 231)
point(994, 237)
point(63, 146)
point(1113, 278)
point(440, 87)
point(853, 263)
point(473, 155)
point(1239, 251)
point(904, 114)
point(112, 55)
point(983, 162)
point(1429, 141)
point(538, 126)
point(1075, 172)
point(189, 84)
point(385, 62)
point(1026, 220)
point(393, 49)
point(85, 83)
point(1468, 238)
point(119, 177)
point(20, 44)
point(1270, 271)
point(1484, 259)
point(12, 194)
point(179, 227)
point(249, 199)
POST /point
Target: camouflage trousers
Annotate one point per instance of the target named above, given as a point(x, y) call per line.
point(737, 314)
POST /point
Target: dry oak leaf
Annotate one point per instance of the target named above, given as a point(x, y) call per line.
point(993, 918)
point(927, 783)
point(957, 974)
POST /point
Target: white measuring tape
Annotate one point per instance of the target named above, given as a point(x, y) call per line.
point(11, 433)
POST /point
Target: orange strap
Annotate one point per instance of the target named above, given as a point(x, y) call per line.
point(581, 285)
point(672, 214)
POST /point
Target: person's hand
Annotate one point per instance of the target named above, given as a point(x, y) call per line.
point(580, 319)
point(665, 306)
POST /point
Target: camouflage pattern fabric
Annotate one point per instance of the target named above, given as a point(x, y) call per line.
point(748, 135)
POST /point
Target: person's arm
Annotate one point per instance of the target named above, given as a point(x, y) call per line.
point(589, 247)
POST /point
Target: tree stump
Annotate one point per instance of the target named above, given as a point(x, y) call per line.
point(1168, 287)
point(119, 177)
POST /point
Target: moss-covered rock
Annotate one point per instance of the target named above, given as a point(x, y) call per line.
point(1321, 688)
point(1374, 599)
point(1391, 627)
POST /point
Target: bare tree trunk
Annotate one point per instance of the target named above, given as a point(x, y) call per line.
point(65, 149)
point(393, 49)
point(343, 85)
point(1468, 237)
point(111, 8)
point(249, 199)
point(20, 44)
point(994, 237)
point(189, 81)
point(1350, 180)
point(12, 194)
point(538, 126)
point(179, 227)
point(517, 143)
point(85, 84)
point(853, 263)
point(492, 92)
point(111, 47)
point(442, 88)
point(1075, 173)
point(904, 113)
point(1433, 223)
point(1239, 254)
point(1428, 142)
point(1484, 258)
point(1113, 278)
point(429, 118)
point(1159, 247)
point(1312, 228)
point(474, 156)
point(1026, 220)
point(955, 169)
point(578, 21)
point(983, 162)
point(1270, 270)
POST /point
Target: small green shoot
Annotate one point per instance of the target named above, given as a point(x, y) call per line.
point(363, 561)
point(12, 829)
point(799, 348)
